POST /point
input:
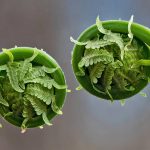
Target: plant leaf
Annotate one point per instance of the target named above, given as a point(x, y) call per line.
point(39, 106)
point(45, 119)
point(3, 67)
point(28, 111)
point(100, 27)
point(12, 69)
point(23, 69)
point(46, 82)
point(23, 126)
point(3, 101)
point(35, 73)
point(54, 106)
point(94, 56)
point(77, 42)
point(25, 65)
point(96, 44)
point(109, 73)
point(96, 72)
point(40, 92)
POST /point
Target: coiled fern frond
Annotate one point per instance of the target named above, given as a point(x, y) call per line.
point(112, 61)
point(28, 90)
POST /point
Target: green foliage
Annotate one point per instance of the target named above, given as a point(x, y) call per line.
point(35, 73)
point(23, 69)
point(112, 60)
point(94, 56)
point(39, 106)
point(40, 92)
point(54, 106)
point(28, 91)
point(45, 119)
point(28, 110)
point(3, 101)
point(3, 67)
point(96, 72)
point(12, 70)
point(46, 82)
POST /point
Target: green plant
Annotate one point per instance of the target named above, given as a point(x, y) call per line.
point(31, 83)
point(111, 59)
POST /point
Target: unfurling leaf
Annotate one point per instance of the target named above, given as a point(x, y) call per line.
point(12, 69)
point(45, 119)
point(54, 106)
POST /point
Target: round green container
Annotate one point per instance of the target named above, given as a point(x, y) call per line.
point(20, 53)
point(142, 33)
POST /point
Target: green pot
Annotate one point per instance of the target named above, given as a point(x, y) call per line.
point(20, 53)
point(141, 33)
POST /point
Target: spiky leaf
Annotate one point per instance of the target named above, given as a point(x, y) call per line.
point(54, 106)
point(46, 82)
point(39, 106)
point(96, 72)
point(40, 92)
point(12, 69)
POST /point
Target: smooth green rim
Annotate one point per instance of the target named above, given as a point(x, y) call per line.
point(140, 32)
point(20, 53)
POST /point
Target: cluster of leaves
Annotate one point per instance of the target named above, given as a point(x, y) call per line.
point(27, 90)
point(112, 60)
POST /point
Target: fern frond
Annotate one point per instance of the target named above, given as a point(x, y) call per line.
point(49, 70)
point(17, 107)
point(96, 44)
point(94, 56)
point(120, 81)
point(3, 67)
point(39, 71)
point(54, 106)
point(46, 82)
point(39, 106)
point(77, 42)
point(35, 73)
point(23, 126)
point(109, 73)
point(45, 119)
point(12, 69)
point(130, 34)
point(24, 68)
point(107, 78)
point(100, 27)
point(58, 86)
point(8, 114)
point(92, 44)
point(115, 38)
point(28, 111)
point(111, 37)
point(3, 101)
point(25, 65)
point(40, 92)
point(96, 72)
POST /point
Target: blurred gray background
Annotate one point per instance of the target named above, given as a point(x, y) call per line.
point(88, 123)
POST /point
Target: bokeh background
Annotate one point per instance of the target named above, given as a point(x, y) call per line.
point(88, 123)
